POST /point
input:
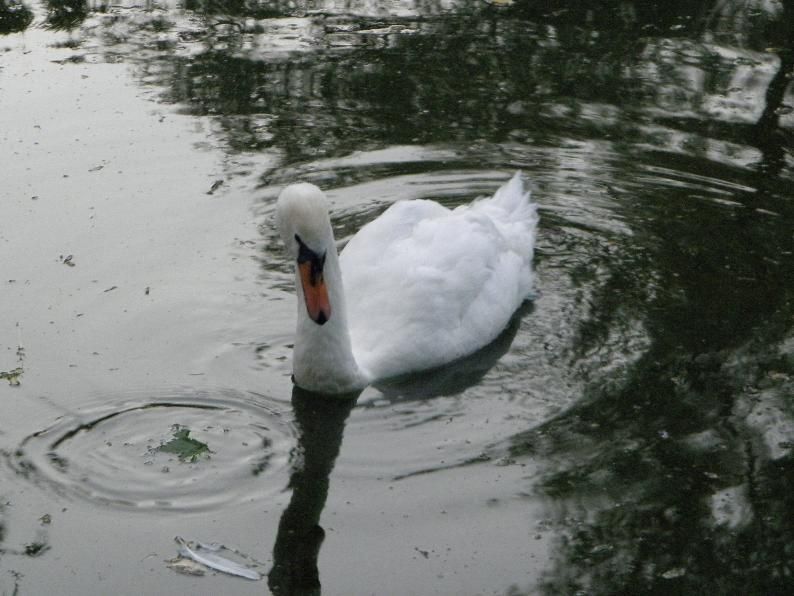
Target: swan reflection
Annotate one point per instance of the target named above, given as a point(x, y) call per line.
point(320, 422)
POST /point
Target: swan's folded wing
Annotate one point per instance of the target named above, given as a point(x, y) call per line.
point(426, 285)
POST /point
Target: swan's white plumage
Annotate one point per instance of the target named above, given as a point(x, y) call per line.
point(423, 284)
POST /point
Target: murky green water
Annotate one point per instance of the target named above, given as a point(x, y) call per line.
point(630, 432)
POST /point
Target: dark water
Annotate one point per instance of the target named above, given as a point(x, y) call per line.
point(631, 432)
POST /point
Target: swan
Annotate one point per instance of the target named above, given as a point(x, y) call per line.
point(418, 287)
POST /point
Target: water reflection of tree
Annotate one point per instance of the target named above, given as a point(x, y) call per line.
point(467, 78)
point(419, 91)
point(14, 16)
point(641, 469)
point(66, 14)
point(470, 78)
point(768, 135)
point(257, 9)
point(668, 483)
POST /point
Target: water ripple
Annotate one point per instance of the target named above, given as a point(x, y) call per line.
point(109, 454)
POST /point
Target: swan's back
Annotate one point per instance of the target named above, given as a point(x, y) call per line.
point(426, 285)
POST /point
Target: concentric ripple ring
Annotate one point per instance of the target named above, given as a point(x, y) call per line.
point(112, 453)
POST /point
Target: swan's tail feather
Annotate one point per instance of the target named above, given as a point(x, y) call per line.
point(512, 206)
point(515, 198)
point(516, 216)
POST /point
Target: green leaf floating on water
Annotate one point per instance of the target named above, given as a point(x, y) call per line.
point(184, 446)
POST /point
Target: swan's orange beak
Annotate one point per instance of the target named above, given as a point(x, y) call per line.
point(315, 292)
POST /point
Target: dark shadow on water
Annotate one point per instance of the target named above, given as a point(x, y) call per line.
point(320, 421)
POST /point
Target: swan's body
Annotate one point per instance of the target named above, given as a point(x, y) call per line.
point(424, 285)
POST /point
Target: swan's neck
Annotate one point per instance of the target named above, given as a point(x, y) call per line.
point(323, 358)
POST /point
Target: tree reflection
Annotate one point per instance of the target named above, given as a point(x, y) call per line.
point(321, 422)
point(258, 9)
point(471, 78)
point(680, 476)
point(768, 136)
point(66, 14)
point(14, 16)
point(662, 486)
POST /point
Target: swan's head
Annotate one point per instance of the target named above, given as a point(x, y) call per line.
point(302, 216)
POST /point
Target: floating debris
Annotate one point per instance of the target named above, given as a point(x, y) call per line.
point(183, 446)
point(35, 549)
point(186, 566)
point(68, 260)
point(215, 186)
point(12, 376)
point(674, 573)
point(206, 554)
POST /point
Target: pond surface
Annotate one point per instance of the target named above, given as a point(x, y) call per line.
point(632, 431)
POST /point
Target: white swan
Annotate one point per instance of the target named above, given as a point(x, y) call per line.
point(420, 286)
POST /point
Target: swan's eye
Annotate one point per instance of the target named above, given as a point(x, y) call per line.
point(304, 252)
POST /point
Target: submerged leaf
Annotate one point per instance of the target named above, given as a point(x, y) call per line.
point(34, 549)
point(186, 566)
point(12, 376)
point(184, 446)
